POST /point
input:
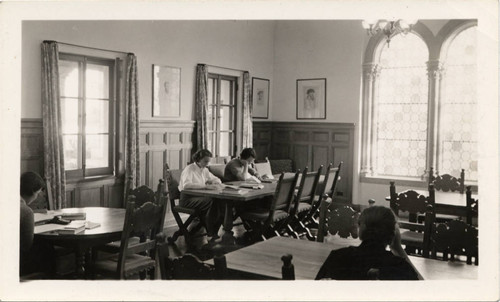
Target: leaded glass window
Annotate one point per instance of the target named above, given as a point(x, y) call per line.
point(458, 123)
point(401, 108)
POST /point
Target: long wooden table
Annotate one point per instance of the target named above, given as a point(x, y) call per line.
point(263, 260)
point(230, 200)
point(111, 220)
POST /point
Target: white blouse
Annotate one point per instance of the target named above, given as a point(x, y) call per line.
point(193, 174)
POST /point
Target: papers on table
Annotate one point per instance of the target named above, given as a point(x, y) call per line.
point(252, 186)
point(40, 218)
point(49, 227)
point(89, 225)
point(233, 190)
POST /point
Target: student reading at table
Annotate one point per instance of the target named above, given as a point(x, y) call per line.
point(240, 168)
point(197, 176)
point(371, 260)
point(33, 256)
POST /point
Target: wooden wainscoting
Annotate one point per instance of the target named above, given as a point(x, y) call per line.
point(164, 142)
point(309, 144)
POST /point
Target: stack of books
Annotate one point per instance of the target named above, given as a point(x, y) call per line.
point(74, 227)
point(74, 216)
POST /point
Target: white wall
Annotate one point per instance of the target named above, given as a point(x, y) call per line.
point(233, 44)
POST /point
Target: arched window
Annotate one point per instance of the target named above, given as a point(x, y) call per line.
point(458, 124)
point(419, 104)
point(401, 108)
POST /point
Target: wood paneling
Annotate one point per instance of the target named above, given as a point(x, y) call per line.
point(309, 144)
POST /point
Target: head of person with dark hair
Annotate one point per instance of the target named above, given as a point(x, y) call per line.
point(202, 157)
point(31, 185)
point(377, 224)
point(248, 154)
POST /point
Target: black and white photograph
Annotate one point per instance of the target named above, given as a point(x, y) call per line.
point(249, 151)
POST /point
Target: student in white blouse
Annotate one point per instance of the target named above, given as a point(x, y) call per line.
point(197, 176)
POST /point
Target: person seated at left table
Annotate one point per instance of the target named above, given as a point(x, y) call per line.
point(239, 169)
point(33, 256)
point(197, 176)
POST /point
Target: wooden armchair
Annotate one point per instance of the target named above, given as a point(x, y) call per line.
point(217, 170)
point(455, 238)
point(303, 204)
point(417, 235)
point(447, 182)
point(279, 166)
point(341, 221)
point(145, 221)
point(173, 177)
point(264, 168)
point(266, 223)
point(472, 208)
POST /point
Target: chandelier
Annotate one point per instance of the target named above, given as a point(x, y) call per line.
point(390, 28)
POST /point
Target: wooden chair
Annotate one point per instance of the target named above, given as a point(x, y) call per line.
point(217, 170)
point(417, 235)
point(447, 182)
point(303, 203)
point(455, 238)
point(145, 221)
point(326, 190)
point(173, 177)
point(265, 223)
point(472, 208)
point(44, 201)
point(341, 221)
point(279, 166)
point(263, 168)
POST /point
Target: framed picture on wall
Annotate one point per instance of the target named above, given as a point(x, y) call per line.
point(311, 99)
point(260, 98)
point(166, 91)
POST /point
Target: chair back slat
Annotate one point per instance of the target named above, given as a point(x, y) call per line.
point(283, 195)
point(173, 178)
point(307, 188)
point(410, 201)
point(263, 168)
point(455, 237)
point(447, 182)
point(142, 195)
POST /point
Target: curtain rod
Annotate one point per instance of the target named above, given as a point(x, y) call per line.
point(95, 48)
point(224, 67)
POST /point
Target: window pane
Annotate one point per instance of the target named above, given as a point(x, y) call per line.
point(210, 117)
point(401, 108)
point(69, 109)
point(458, 146)
point(226, 118)
point(225, 92)
point(68, 78)
point(97, 81)
point(225, 144)
point(71, 156)
point(97, 151)
point(97, 116)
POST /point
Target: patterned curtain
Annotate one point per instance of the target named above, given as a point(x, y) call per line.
point(202, 107)
point(53, 155)
point(132, 165)
point(247, 112)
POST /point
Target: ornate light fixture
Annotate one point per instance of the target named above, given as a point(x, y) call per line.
point(388, 27)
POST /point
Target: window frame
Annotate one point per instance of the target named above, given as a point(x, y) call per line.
point(233, 105)
point(438, 46)
point(83, 60)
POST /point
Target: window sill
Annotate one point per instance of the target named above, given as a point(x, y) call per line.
point(90, 179)
point(402, 181)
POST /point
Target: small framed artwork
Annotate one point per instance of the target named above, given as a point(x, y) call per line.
point(260, 98)
point(166, 91)
point(311, 99)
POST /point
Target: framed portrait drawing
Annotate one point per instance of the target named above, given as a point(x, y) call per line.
point(311, 99)
point(166, 91)
point(260, 98)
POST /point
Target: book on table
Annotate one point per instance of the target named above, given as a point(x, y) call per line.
point(252, 186)
point(41, 218)
point(74, 216)
point(234, 190)
point(74, 227)
point(89, 225)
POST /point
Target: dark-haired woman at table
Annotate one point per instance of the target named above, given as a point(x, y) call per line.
point(371, 260)
point(197, 176)
point(34, 257)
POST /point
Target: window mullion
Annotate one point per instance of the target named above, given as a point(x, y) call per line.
point(84, 117)
point(434, 73)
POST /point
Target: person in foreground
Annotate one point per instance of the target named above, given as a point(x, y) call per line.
point(197, 176)
point(240, 168)
point(370, 260)
point(33, 256)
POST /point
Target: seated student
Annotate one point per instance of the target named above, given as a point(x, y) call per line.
point(377, 229)
point(34, 257)
point(240, 168)
point(197, 176)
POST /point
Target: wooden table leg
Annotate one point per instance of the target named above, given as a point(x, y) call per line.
point(227, 237)
point(80, 263)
